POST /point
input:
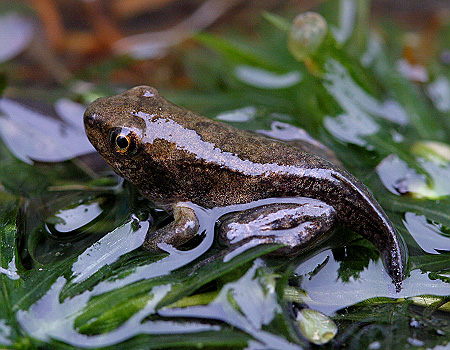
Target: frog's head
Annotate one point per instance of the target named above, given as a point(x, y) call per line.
point(115, 126)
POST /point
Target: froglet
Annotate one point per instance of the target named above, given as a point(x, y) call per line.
point(175, 156)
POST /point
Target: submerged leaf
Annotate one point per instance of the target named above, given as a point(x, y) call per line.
point(431, 237)
point(392, 325)
point(48, 139)
point(100, 289)
point(10, 277)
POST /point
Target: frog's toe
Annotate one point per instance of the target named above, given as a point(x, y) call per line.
point(181, 230)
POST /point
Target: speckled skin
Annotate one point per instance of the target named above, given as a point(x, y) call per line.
point(181, 156)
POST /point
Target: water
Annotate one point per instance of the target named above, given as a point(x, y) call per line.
point(99, 288)
point(72, 269)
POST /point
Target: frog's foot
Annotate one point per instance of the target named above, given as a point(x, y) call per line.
point(182, 229)
point(297, 226)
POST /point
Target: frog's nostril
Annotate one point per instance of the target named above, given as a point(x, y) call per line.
point(89, 119)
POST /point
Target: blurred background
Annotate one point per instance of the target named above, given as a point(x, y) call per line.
point(72, 38)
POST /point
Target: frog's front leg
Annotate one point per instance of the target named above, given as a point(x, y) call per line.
point(295, 225)
point(182, 229)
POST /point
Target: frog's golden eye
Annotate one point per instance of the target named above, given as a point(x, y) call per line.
point(124, 141)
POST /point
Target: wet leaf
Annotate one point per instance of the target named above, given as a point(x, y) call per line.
point(48, 139)
point(76, 252)
point(9, 275)
point(176, 286)
point(391, 325)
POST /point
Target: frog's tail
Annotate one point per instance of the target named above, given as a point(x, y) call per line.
point(362, 213)
point(392, 248)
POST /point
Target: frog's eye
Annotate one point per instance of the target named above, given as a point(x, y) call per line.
point(124, 141)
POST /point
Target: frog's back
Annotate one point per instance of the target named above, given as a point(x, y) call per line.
point(195, 154)
point(208, 138)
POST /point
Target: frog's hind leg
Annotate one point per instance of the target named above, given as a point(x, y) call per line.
point(297, 226)
point(182, 229)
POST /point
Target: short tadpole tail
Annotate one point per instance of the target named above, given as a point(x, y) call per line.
point(361, 213)
point(394, 255)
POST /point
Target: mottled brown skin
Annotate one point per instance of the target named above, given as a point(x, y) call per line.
point(180, 156)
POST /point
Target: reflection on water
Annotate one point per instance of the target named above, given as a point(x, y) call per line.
point(361, 109)
point(19, 123)
point(78, 220)
point(249, 303)
point(108, 250)
point(399, 178)
point(50, 319)
point(433, 238)
point(328, 293)
point(67, 220)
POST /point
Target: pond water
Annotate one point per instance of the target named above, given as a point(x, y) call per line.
point(99, 288)
point(74, 275)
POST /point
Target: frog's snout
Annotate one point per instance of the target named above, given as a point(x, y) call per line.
point(94, 123)
point(89, 119)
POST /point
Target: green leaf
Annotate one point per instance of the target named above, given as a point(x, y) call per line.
point(435, 210)
point(277, 21)
point(239, 52)
point(431, 262)
point(391, 325)
point(10, 281)
point(179, 284)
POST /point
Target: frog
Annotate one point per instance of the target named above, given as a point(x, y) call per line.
point(180, 159)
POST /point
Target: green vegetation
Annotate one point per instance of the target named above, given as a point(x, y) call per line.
point(90, 285)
